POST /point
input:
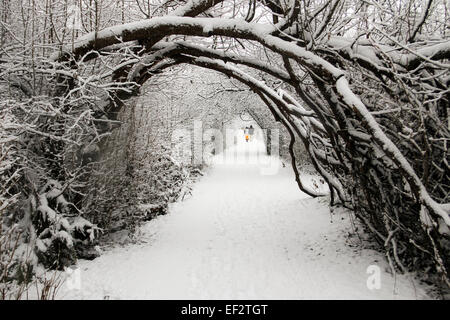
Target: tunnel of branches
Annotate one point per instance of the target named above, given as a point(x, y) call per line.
point(371, 113)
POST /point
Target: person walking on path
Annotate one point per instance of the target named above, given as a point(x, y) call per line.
point(247, 133)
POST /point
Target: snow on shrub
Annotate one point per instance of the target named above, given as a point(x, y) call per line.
point(58, 236)
point(39, 225)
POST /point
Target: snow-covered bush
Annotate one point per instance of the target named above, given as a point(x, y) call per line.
point(132, 182)
point(39, 223)
point(60, 239)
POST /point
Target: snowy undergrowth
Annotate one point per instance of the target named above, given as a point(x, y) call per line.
point(40, 226)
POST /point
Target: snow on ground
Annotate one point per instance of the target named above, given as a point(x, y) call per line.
point(246, 233)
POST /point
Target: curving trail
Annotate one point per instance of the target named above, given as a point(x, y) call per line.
point(246, 233)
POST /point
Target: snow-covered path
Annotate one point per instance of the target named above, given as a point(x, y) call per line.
point(242, 235)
